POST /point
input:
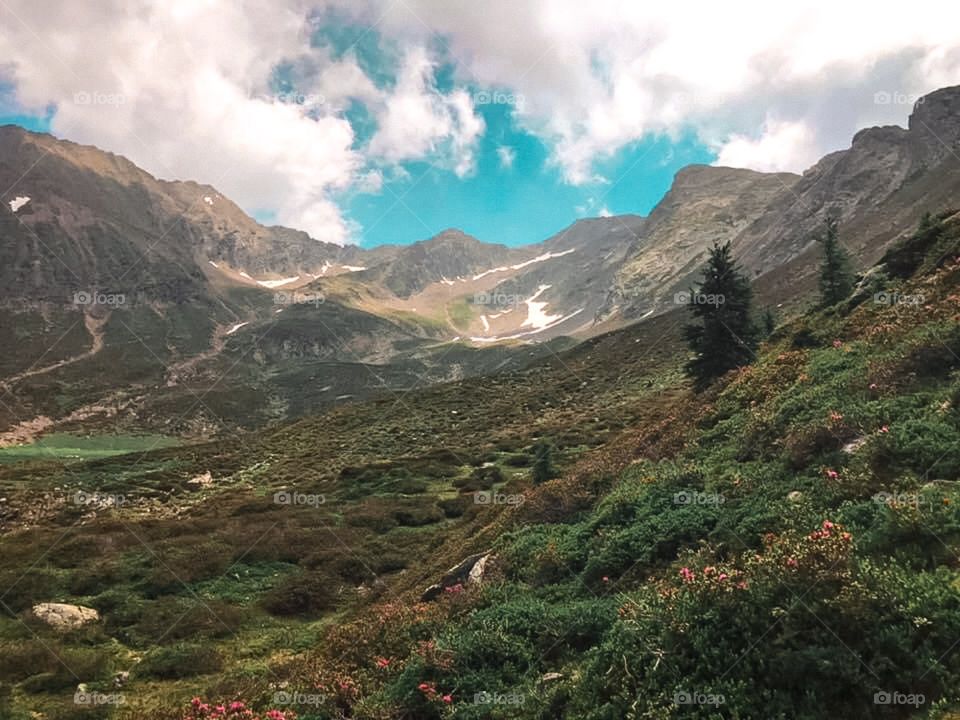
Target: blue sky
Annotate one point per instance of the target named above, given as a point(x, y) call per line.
point(523, 202)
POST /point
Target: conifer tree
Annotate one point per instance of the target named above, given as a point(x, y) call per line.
point(723, 335)
point(836, 278)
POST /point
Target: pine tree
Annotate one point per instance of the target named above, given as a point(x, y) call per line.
point(769, 321)
point(543, 469)
point(723, 335)
point(836, 278)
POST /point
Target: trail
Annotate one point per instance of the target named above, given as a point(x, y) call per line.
point(181, 370)
point(94, 326)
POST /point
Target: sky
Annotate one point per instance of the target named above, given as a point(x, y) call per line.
point(388, 121)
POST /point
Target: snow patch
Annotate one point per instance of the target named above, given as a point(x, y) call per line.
point(277, 283)
point(18, 202)
point(519, 336)
point(537, 316)
point(445, 281)
point(213, 263)
point(353, 268)
point(208, 200)
point(486, 325)
point(236, 327)
point(525, 263)
point(243, 273)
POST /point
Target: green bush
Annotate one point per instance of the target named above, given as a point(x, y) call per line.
point(182, 660)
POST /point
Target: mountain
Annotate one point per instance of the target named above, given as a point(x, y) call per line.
point(390, 553)
point(876, 188)
point(145, 303)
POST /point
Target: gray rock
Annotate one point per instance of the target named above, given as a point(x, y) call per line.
point(64, 616)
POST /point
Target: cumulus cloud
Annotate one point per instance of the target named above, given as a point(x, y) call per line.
point(184, 87)
point(597, 76)
point(782, 144)
point(417, 121)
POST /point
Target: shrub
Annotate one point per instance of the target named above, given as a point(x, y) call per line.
point(305, 594)
point(179, 661)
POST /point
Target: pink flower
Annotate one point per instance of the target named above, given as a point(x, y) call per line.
point(708, 570)
point(838, 343)
point(722, 576)
point(606, 579)
point(885, 429)
point(873, 386)
point(791, 562)
point(827, 525)
point(832, 474)
point(383, 662)
point(687, 574)
point(448, 699)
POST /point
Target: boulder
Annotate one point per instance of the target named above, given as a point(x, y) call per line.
point(468, 571)
point(64, 616)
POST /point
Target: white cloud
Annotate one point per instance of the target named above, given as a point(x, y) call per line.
point(597, 76)
point(783, 145)
point(417, 121)
point(182, 86)
point(507, 156)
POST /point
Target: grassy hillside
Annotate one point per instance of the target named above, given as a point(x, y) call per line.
point(782, 546)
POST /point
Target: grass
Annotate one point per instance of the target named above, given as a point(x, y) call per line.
point(66, 446)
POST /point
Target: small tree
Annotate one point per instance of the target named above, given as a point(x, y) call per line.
point(543, 469)
point(723, 335)
point(836, 277)
point(769, 321)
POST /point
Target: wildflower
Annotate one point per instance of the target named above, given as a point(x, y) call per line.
point(792, 562)
point(687, 574)
point(838, 343)
point(832, 474)
point(708, 570)
point(827, 525)
point(873, 386)
point(606, 579)
point(885, 429)
point(383, 663)
point(722, 577)
point(448, 699)
point(835, 416)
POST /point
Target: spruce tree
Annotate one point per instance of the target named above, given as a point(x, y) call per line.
point(836, 278)
point(769, 321)
point(543, 469)
point(722, 335)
